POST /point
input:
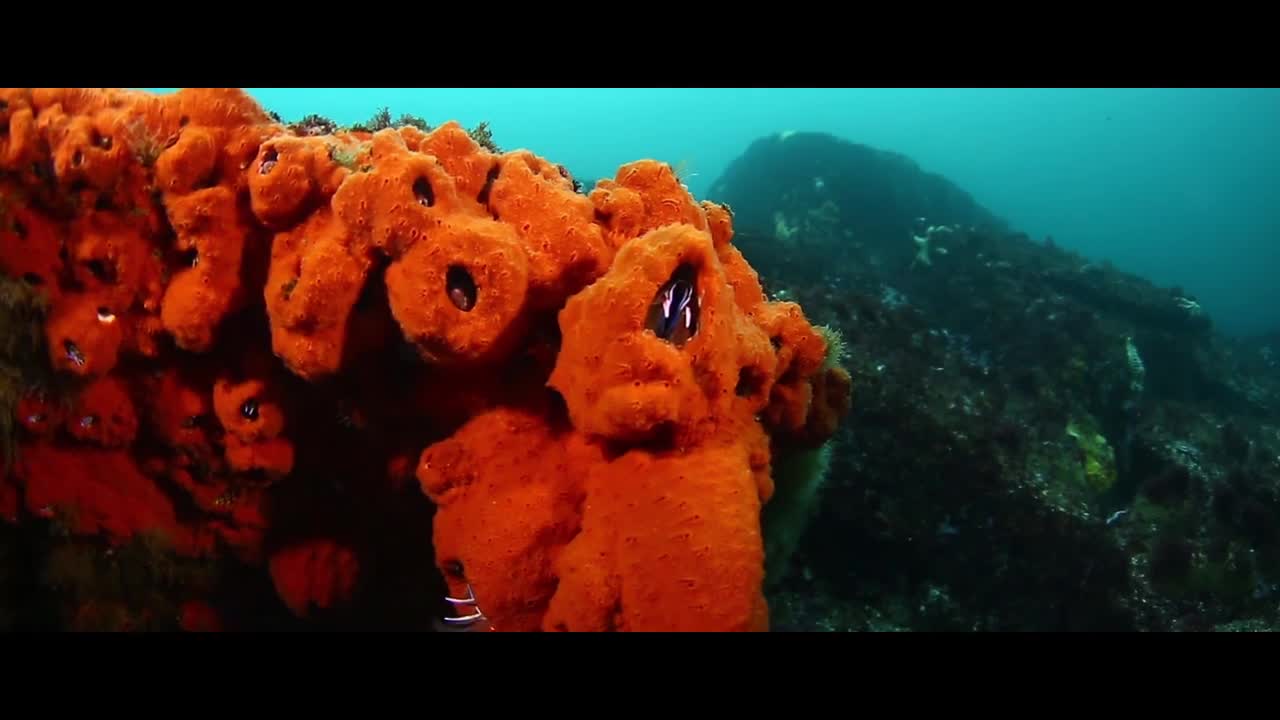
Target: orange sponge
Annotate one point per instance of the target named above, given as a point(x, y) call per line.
point(591, 384)
point(668, 543)
point(566, 249)
point(643, 196)
point(318, 573)
point(460, 298)
point(104, 415)
point(83, 336)
point(289, 177)
point(800, 352)
point(213, 230)
point(658, 345)
point(30, 243)
point(508, 487)
point(316, 275)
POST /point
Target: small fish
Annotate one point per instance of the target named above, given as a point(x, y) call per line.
point(673, 316)
point(676, 308)
point(73, 353)
point(441, 625)
point(474, 621)
point(1117, 516)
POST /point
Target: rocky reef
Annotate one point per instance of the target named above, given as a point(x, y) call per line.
point(1037, 441)
point(265, 375)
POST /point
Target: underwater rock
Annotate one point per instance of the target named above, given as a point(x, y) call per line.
point(806, 189)
point(1038, 441)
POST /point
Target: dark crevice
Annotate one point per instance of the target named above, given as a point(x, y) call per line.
point(375, 289)
point(791, 376)
point(494, 172)
point(43, 169)
point(661, 439)
point(214, 178)
point(422, 191)
point(750, 382)
point(461, 288)
point(103, 272)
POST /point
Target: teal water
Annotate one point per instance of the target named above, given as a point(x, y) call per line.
point(1181, 186)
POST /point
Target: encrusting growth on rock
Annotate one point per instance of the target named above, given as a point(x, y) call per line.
point(269, 331)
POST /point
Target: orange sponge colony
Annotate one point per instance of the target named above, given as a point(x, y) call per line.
point(669, 541)
point(510, 488)
point(257, 328)
point(659, 345)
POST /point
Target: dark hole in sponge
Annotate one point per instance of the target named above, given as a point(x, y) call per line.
point(423, 192)
point(461, 288)
point(750, 382)
point(214, 178)
point(77, 159)
point(791, 376)
point(673, 313)
point(33, 279)
point(249, 410)
point(20, 229)
point(103, 272)
point(269, 160)
point(494, 172)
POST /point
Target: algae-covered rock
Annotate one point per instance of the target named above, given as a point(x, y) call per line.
point(1039, 440)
